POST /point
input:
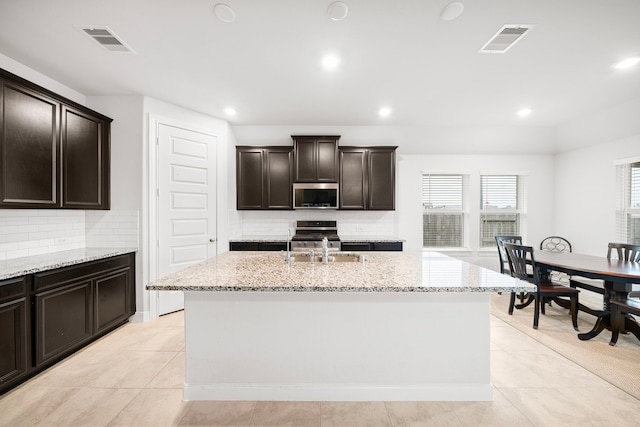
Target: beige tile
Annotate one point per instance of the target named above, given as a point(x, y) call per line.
point(142, 337)
point(66, 407)
point(214, 414)
point(354, 414)
point(574, 406)
point(419, 414)
point(108, 370)
point(499, 412)
point(172, 375)
point(152, 407)
point(294, 414)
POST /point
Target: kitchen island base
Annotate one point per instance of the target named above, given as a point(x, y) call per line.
point(337, 346)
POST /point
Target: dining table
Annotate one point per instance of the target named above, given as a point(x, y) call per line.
point(618, 277)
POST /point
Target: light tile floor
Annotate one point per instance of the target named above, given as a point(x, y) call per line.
point(134, 376)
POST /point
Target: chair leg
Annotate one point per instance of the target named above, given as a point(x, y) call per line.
point(536, 312)
point(574, 312)
point(542, 304)
point(512, 302)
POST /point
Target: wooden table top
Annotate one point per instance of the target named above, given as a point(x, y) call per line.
point(590, 266)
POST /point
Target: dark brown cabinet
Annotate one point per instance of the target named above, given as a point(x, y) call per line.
point(257, 246)
point(263, 177)
point(29, 148)
point(372, 246)
point(14, 327)
point(74, 305)
point(316, 158)
point(85, 160)
point(367, 178)
point(54, 153)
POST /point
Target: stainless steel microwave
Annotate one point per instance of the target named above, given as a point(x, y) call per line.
point(315, 195)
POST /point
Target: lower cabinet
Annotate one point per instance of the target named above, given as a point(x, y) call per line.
point(257, 246)
point(372, 246)
point(47, 316)
point(14, 327)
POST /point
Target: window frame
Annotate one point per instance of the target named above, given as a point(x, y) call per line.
point(520, 210)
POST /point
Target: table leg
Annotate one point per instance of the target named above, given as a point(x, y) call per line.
point(602, 322)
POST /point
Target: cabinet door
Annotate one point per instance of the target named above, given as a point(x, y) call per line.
point(63, 320)
point(353, 191)
point(305, 159)
point(327, 160)
point(249, 178)
point(13, 342)
point(29, 148)
point(85, 160)
point(112, 294)
point(381, 179)
point(278, 176)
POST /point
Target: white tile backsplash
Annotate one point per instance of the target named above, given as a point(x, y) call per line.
point(350, 223)
point(25, 232)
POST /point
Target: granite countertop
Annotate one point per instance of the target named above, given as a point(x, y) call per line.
point(33, 264)
point(380, 272)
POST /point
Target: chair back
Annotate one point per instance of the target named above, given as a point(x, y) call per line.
point(504, 261)
point(555, 244)
point(624, 251)
point(519, 257)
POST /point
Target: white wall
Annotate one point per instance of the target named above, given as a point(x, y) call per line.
point(585, 193)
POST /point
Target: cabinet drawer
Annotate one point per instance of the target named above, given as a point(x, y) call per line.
point(13, 288)
point(387, 246)
point(355, 246)
point(61, 276)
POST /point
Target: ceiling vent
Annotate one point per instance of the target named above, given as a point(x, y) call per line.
point(105, 38)
point(508, 35)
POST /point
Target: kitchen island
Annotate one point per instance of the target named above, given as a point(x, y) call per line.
point(398, 326)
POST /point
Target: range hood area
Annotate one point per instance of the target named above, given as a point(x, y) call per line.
point(315, 173)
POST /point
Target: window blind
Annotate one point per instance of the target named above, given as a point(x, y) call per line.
point(499, 213)
point(443, 216)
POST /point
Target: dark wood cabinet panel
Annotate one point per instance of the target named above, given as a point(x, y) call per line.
point(112, 299)
point(278, 176)
point(355, 246)
point(29, 148)
point(367, 178)
point(54, 153)
point(63, 320)
point(13, 342)
point(249, 178)
point(372, 246)
point(85, 160)
point(381, 179)
point(263, 178)
point(316, 158)
point(353, 186)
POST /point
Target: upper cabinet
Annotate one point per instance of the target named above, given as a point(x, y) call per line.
point(263, 176)
point(367, 178)
point(316, 158)
point(53, 152)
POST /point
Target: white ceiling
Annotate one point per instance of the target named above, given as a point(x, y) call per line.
point(395, 53)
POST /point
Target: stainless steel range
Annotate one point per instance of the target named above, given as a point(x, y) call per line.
point(309, 235)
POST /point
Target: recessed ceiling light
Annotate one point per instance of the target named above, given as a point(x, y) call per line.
point(627, 63)
point(224, 12)
point(330, 62)
point(337, 10)
point(230, 111)
point(452, 11)
point(524, 112)
point(384, 112)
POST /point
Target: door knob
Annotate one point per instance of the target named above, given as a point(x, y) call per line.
point(212, 240)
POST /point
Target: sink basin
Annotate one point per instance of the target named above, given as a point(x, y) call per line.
point(333, 257)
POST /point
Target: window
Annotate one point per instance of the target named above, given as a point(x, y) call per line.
point(443, 220)
point(500, 208)
point(628, 209)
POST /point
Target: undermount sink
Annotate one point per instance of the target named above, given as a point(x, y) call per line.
point(333, 257)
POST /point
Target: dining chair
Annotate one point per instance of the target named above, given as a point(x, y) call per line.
point(520, 257)
point(502, 255)
point(557, 244)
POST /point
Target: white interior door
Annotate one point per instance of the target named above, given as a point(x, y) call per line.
point(186, 204)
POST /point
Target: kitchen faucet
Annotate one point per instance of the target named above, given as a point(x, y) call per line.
point(325, 250)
